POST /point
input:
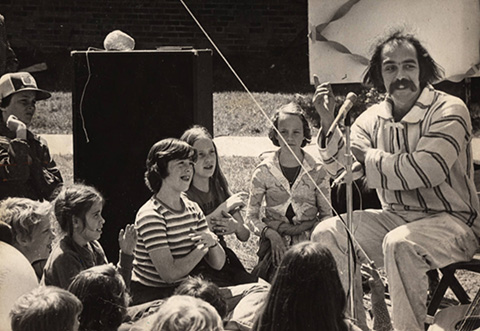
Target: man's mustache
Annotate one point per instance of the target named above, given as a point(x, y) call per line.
point(402, 82)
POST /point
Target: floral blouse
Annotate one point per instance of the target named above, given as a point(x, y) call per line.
point(270, 185)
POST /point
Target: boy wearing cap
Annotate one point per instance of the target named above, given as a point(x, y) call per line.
point(26, 167)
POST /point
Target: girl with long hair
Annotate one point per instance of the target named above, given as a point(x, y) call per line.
point(209, 188)
point(306, 293)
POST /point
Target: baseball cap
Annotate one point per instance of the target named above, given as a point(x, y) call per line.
point(12, 83)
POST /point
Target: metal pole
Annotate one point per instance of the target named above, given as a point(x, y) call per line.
point(349, 194)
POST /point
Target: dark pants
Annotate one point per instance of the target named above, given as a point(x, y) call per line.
point(141, 293)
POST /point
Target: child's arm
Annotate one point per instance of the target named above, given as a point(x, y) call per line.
point(257, 193)
point(233, 203)
point(381, 316)
point(127, 239)
point(207, 240)
point(170, 269)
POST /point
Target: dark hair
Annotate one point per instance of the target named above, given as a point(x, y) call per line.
point(45, 308)
point(6, 101)
point(104, 296)
point(158, 157)
point(430, 71)
point(206, 290)
point(291, 108)
point(306, 293)
point(74, 200)
point(218, 180)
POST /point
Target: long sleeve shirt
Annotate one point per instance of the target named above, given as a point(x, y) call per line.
point(26, 167)
point(421, 163)
point(309, 200)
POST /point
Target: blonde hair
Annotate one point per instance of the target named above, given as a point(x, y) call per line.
point(187, 313)
point(23, 215)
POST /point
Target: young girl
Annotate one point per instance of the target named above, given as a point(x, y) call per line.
point(294, 204)
point(209, 188)
point(78, 209)
point(310, 292)
point(173, 236)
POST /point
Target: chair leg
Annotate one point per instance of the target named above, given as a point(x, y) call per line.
point(438, 295)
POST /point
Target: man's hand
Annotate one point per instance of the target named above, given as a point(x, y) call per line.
point(324, 102)
point(357, 172)
point(359, 153)
point(127, 239)
point(17, 126)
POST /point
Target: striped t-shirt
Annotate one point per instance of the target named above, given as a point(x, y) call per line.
point(158, 227)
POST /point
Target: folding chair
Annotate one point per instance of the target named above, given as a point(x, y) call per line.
point(449, 280)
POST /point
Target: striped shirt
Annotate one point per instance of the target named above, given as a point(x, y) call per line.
point(159, 227)
point(422, 163)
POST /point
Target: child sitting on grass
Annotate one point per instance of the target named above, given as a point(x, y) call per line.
point(209, 188)
point(294, 203)
point(46, 308)
point(78, 209)
point(173, 236)
point(104, 296)
point(187, 313)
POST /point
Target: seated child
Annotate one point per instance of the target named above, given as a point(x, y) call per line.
point(46, 308)
point(186, 313)
point(308, 287)
point(30, 222)
point(209, 188)
point(294, 203)
point(78, 209)
point(104, 296)
point(173, 235)
point(27, 228)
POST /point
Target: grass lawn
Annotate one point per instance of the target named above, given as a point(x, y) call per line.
point(235, 114)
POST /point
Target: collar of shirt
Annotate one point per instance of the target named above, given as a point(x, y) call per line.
point(416, 113)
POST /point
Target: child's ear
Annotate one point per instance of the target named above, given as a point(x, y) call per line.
point(22, 240)
point(77, 223)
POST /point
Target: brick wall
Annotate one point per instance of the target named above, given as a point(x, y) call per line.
point(254, 28)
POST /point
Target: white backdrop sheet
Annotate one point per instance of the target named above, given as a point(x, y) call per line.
point(342, 32)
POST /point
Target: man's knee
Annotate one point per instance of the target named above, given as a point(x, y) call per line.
point(395, 242)
point(325, 230)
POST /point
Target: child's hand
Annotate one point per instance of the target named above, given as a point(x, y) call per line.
point(203, 240)
point(236, 201)
point(127, 239)
point(277, 246)
point(225, 225)
point(17, 126)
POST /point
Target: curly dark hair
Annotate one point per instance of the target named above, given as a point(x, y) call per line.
point(291, 108)
point(104, 296)
point(430, 71)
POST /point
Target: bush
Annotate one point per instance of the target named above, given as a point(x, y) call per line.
point(366, 97)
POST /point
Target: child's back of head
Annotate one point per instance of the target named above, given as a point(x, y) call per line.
point(46, 308)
